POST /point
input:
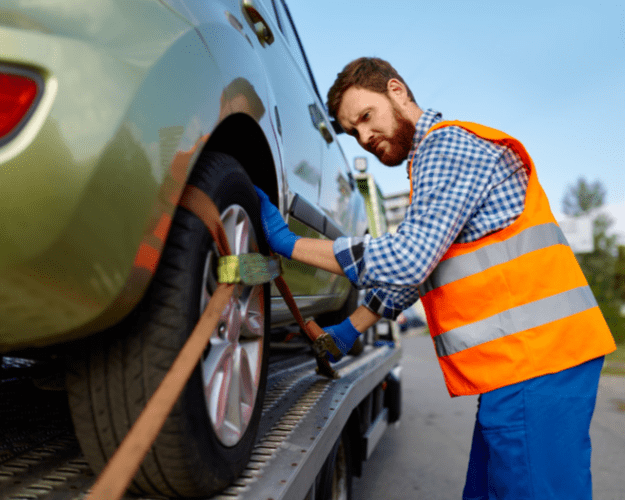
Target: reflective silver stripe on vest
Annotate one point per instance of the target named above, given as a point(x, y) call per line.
point(517, 319)
point(529, 240)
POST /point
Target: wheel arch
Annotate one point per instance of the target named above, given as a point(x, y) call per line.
point(241, 137)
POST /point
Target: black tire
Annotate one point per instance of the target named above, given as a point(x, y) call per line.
point(334, 481)
point(109, 384)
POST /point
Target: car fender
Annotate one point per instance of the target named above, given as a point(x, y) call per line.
point(180, 110)
point(93, 264)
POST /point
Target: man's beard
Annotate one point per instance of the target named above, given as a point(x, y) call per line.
point(401, 142)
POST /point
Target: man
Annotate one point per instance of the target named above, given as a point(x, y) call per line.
point(510, 313)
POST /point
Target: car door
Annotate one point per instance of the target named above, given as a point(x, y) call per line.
point(339, 209)
point(302, 132)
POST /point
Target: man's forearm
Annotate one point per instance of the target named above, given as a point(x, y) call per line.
point(363, 318)
point(320, 254)
point(317, 253)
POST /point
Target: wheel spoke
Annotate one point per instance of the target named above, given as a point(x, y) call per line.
point(238, 227)
point(233, 320)
point(218, 372)
point(248, 386)
point(246, 378)
point(242, 236)
point(253, 351)
point(233, 417)
point(226, 314)
point(252, 320)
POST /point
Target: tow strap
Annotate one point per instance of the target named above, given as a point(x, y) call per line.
point(125, 462)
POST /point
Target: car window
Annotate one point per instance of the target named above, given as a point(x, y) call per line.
point(285, 22)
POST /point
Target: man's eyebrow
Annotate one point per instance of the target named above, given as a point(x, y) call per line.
point(352, 130)
point(362, 114)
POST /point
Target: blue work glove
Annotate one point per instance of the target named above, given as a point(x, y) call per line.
point(344, 335)
point(277, 233)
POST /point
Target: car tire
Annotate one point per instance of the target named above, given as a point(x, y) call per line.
point(334, 481)
point(208, 437)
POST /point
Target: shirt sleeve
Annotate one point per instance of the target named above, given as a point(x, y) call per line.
point(450, 181)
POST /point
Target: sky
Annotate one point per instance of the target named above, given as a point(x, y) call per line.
point(550, 73)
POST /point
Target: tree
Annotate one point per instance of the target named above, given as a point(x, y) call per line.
point(619, 275)
point(583, 197)
point(601, 266)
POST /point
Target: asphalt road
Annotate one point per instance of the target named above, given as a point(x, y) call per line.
point(426, 456)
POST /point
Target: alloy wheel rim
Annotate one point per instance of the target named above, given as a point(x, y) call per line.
point(231, 365)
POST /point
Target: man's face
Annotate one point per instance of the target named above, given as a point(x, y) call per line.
point(378, 124)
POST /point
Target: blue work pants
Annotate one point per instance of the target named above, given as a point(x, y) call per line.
point(531, 440)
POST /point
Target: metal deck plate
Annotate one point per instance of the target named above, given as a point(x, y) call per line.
point(302, 418)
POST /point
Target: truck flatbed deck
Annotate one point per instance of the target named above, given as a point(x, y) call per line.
point(303, 416)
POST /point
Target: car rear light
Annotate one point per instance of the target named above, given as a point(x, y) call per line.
point(18, 93)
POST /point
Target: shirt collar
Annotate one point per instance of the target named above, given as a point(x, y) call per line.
point(426, 121)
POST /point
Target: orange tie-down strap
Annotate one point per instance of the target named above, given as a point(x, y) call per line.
point(125, 462)
point(322, 342)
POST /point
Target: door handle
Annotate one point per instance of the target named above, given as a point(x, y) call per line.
point(258, 23)
point(325, 132)
point(320, 123)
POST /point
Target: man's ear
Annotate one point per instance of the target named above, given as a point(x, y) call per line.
point(397, 89)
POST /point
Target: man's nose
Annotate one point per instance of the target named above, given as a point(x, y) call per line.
point(364, 136)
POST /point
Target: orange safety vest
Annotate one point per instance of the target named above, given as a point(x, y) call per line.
point(514, 304)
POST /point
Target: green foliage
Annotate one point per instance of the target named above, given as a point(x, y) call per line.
point(615, 321)
point(599, 269)
point(615, 362)
point(583, 197)
point(617, 356)
point(619, 275)
point(604, 267)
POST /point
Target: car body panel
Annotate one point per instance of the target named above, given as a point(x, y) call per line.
point(134, 91)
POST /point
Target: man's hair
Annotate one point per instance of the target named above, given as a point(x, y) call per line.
point(368, 73)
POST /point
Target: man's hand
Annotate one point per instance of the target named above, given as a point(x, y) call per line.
point(344, 335)
point(277, 233)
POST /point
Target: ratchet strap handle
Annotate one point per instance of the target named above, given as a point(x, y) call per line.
point(322, 342)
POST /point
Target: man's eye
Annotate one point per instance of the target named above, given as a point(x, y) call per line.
point(365, 117)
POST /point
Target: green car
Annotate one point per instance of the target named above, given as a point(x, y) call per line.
point(108, 110)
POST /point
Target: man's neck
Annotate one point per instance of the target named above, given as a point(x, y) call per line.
point(414, 112)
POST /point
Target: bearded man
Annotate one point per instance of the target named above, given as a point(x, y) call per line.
point(510, 313)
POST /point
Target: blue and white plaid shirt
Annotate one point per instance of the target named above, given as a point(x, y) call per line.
point(464, 188)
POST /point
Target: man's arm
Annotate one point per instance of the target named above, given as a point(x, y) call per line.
point(363, 318)
point(317, 253)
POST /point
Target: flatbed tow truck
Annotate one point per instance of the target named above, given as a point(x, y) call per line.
point(314, 434)
point(305, 418)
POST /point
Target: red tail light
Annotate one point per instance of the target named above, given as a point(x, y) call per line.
point(17, 95)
